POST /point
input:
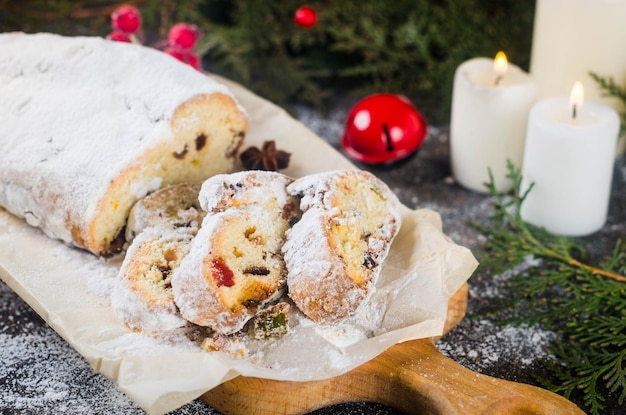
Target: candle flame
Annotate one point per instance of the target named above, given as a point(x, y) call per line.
point(500, 64)
point(576, 98)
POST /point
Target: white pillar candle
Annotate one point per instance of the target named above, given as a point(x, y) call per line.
point(572, 38)
point(490, 107)
point(570, 162)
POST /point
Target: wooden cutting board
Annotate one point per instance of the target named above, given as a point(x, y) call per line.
point(412, 377)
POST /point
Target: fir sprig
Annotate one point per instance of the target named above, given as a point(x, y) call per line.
point(584, 303)
point(610, 88)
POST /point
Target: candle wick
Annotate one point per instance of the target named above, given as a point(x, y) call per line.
point(574, 111)
point(387, 138)
point(498, 79)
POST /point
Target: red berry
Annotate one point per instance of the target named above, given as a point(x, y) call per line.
point(183, 55)
point(184, 35)
point(126, 19)
point(193, 60)
point(175, 53)
point(305, 17)
point(119, 36)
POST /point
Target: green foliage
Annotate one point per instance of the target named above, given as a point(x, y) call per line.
point(92, 17)
point(64, 17)
point(409, 47)
point(585, 304)
point(260, 46)
point(612, 89)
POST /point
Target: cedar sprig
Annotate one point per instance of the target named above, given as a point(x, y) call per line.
point(585, 304)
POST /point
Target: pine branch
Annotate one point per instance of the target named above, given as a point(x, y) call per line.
point(582, 302)
point(609, 86)
point(611, 89)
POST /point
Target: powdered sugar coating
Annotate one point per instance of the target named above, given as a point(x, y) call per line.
point(335, 252)
point(77, 112)
point(173, 206)
point(141, 295)
point(311, 261)
point(225, 191)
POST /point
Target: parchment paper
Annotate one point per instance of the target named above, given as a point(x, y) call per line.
point(68, 288)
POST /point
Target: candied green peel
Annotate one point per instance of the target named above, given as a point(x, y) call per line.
point(272, 322)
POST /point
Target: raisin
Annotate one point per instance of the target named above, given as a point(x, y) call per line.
point(200, 142)
point(256, 270)
point(181, 154)
point(164, 270)
point(368, 261)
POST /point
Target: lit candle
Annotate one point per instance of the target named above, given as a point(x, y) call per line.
point(500, 66)
point(568, 159)
point(572, 38)
point(490, 105)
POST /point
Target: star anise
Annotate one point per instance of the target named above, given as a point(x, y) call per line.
point(267, 158)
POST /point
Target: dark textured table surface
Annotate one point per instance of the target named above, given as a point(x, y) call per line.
point(41, 374)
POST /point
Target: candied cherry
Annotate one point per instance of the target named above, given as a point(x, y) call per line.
point(126, 18)
point(119, 36)
point(183, 35)
point(223, 275)
point(183, 55)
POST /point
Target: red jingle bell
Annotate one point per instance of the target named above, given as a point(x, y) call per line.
point(383, 128)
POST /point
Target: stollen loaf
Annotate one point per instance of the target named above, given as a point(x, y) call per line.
point(90, 126)
point(335, 253)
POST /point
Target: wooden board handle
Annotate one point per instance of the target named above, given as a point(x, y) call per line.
point(412, 377)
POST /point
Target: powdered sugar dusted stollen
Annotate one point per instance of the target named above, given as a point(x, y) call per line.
point(161, 227)
point(173, 206)
point(142, 295)
point(335, 252)
point(246, 188)
point(90, 126)
point(235, 266)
